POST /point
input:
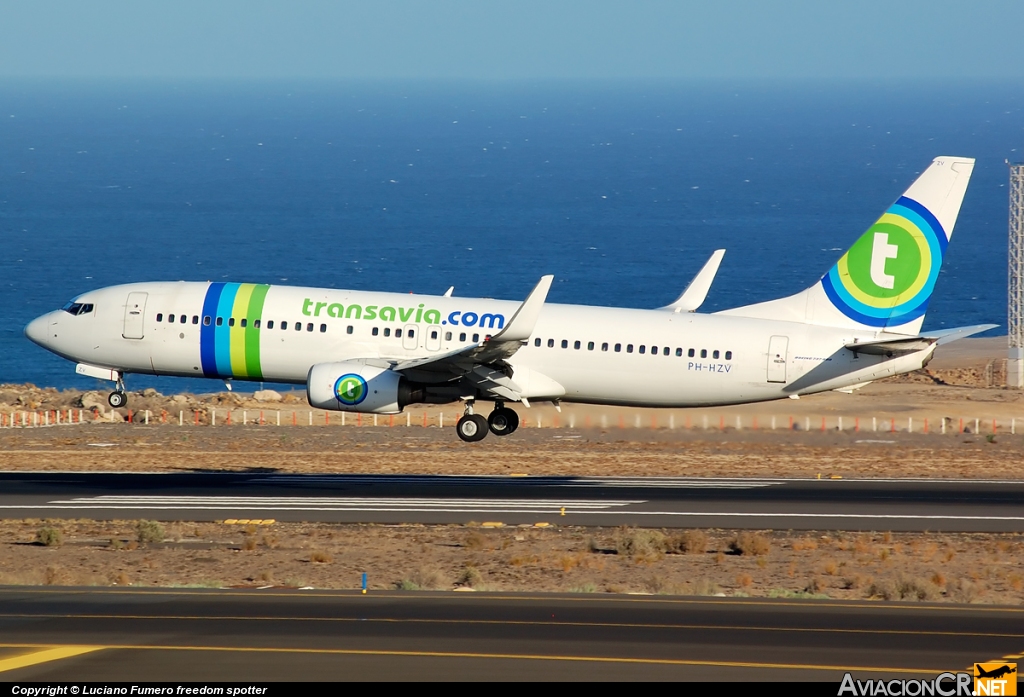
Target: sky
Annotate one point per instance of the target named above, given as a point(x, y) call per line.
point(512, 39)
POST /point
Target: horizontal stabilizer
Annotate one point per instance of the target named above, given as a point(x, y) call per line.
point(948, 335)
point(891, 347)
point(695, 293)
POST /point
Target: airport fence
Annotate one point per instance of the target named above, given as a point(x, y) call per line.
point(619, 420)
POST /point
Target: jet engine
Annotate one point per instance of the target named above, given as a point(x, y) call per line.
point(354, 386)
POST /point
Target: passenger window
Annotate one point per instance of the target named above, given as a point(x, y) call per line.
point(170, 319)
point(618, 348)
point(590, 345)
point(349, 329)
point(256, 323)
point(679, 352)
point(195, 319)
point(375, 331)
point(565, 343)
point(703, 353)
point(398, 333)
point(576, 345)
point(629, 348)
point(270, 324)
point(462, 336)
point(242, 322)
point(654, 350)
point(231, 321)
point(604, 346)
point(183, 319)
point(690, 353)
point(298, 326)
point(728, 355)
point(447, 336)
point(387, 331)
point(309, 327)
point(536, 342)
point(206, 321)
point(433, 333)
point(476, 337)
point(551, 343)
point(664, 351)
point(715, 354)
point(323, 328)
point(412, 333)
point(220, 321)
point(642, 348)
point(284, 325)
point(159, 317)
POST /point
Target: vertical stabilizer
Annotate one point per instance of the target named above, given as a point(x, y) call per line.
point(885, 280)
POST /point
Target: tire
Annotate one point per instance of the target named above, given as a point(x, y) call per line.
point(472, 428)
point(503, 421)
point(117, 399)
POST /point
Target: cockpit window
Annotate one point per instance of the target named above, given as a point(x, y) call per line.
point(77, 308)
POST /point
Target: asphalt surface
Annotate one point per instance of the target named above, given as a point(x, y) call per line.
point(200, 635)
point(799, 504)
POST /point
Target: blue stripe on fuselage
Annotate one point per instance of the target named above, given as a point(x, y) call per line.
point(208, 333)
point(222, 343)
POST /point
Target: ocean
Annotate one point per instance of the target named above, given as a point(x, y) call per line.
point(620, 190)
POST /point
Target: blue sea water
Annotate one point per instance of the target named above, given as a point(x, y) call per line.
point(620, 190)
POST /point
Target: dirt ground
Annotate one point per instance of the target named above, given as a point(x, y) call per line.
point(884, 566)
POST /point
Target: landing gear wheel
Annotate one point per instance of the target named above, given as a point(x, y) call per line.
point(503, 421)
point(117, 399)
point(471, 428)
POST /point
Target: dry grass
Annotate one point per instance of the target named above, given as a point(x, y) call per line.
point(49, 536)
point(750, 543)
point(148, 531)
point(687, 542)
point(320, 557)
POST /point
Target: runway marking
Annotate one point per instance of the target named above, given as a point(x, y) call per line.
point(499, 597)
point(44, 655)
point(525, 623)
point(596, 507)
point(510, 656)
point(525, 480)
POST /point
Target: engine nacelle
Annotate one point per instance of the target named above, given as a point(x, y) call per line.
point(353, 386)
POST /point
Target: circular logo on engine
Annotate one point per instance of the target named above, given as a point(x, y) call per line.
point(887, 277)
point(350, 389)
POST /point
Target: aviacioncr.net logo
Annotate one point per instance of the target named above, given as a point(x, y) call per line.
point(350, 389)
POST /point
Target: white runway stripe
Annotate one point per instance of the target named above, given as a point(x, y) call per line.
point(457, 480)
point(314, 503)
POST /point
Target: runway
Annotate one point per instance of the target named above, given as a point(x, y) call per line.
point(198, 635)
point(799, 504)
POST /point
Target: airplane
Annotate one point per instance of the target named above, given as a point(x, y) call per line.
point(378, 352)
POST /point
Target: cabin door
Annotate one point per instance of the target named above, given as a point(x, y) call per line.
point(411, 339)
point(134, 314)
point(777, 348)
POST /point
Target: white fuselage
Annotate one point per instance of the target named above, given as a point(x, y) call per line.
point(596, 354)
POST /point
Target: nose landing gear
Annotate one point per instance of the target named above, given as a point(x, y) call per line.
point(474, 427)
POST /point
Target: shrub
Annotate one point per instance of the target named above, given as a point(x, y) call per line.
point(751, 543)
point(470, 578)
point(688, 542)
point(49, 537)
point(318, 557)
point(149, 531)
point(640, 543)
point(423, 579)
point(584, 588)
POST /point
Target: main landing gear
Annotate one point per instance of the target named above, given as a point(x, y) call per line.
point(473, 427)
point(118, 398)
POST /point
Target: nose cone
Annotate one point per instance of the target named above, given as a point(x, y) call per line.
point(38, 329)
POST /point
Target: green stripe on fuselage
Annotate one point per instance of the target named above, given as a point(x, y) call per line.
point(253, 369)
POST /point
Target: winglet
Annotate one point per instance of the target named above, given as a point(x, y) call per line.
point(520, 327)
point(448, 293)
point(695, 293)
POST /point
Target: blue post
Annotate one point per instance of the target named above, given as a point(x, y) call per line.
point(364, 583)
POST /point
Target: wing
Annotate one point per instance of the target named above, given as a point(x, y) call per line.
point(483, 363)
